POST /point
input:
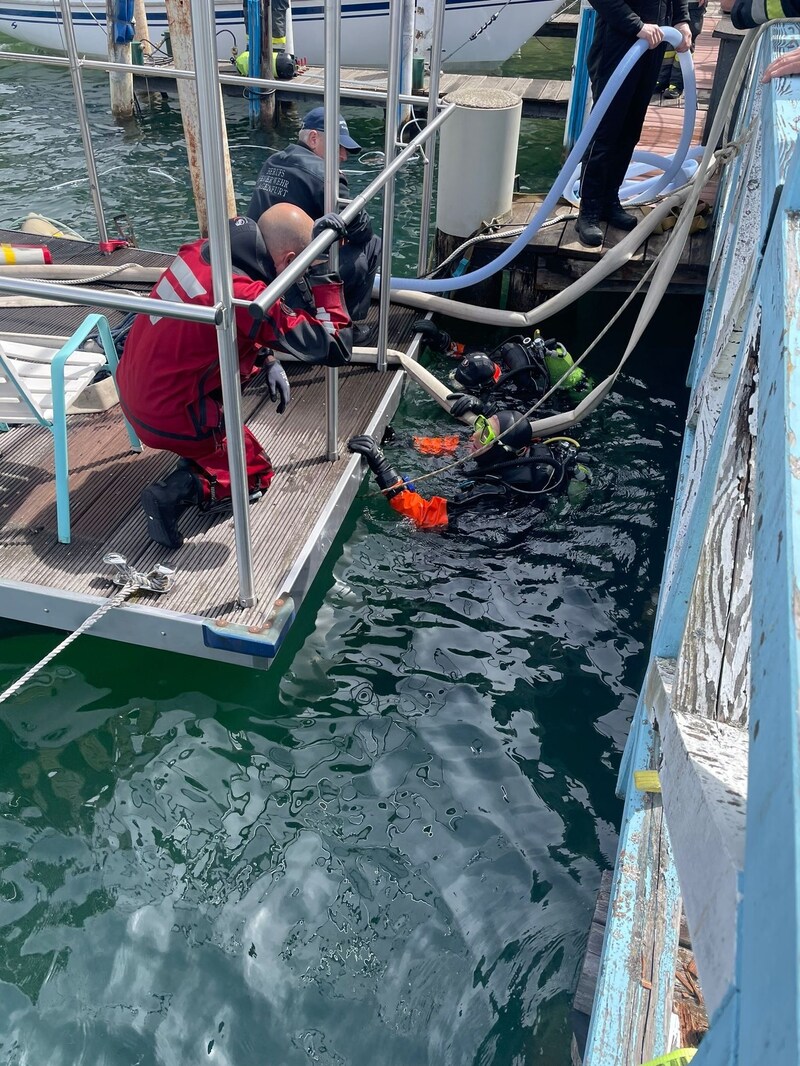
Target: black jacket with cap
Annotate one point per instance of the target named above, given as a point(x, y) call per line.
point(297, 176)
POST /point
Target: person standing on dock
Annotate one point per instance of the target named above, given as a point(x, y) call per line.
point(618, 25)
point(670, 77)
point(169, 378)
point(297, 176)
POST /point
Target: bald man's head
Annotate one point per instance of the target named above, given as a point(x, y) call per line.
point(286, 230)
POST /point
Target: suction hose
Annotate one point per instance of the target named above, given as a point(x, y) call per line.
point(664, 266)
point(647, 189)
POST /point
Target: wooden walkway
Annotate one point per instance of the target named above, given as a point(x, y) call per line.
point(292, 523)
point(548, 98)
point(541, 98)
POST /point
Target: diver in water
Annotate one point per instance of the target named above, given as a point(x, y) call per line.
point(522, 366)
point(509, 467)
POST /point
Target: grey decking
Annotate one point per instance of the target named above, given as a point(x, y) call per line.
point(106, 479)
point(541, 98)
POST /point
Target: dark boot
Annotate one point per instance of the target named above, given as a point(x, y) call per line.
point(225, 506)
point(619, 218)
point(361, 333)
point(165, 501)
point(587, 226)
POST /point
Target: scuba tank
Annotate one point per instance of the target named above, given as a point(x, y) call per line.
point(541, 467)
point(559, 362)
point(546, 362)
point(523, 362)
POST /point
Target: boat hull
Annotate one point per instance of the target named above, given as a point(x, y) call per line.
point(365, 29)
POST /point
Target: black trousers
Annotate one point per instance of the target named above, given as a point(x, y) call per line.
point(671, 73)
point(278, 9)
point(358, 265)
point(609, 155)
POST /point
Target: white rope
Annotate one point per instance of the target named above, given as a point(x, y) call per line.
point(118, 597)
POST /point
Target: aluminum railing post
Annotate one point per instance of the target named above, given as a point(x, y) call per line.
point(212, 148)
point(430, 158)
point(83, 121)
point(333, 42)
point(392, 103)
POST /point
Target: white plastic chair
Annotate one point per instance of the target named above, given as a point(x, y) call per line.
point(38, 384)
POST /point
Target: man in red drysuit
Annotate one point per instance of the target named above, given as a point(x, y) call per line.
point(169, 375)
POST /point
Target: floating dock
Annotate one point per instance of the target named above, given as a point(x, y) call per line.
point(293, 526)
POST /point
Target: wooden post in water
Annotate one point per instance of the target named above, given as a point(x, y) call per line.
point(120, 84)
point(267, 113)
point(180, 29)
point(141, 27)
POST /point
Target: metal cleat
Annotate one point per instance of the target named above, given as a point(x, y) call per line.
point(158, 580)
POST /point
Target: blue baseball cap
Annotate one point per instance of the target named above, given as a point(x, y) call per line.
point(315, 120)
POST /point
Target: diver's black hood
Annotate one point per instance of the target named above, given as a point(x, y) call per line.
point(517, 436)
point(249, 253)
point(475, 371)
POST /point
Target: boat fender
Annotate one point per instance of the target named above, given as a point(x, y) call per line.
point(123, 21)
point(47, 227)
point(30, 253)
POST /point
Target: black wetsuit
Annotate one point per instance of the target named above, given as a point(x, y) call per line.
point(498, 481)
point(607, 159)
point(297, 176)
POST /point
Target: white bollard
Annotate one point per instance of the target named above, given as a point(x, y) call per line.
point(477, 159)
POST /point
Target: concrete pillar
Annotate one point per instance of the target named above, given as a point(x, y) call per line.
point(477, 159)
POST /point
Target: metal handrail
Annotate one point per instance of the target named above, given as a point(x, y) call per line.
point(433, 103)
point(212, 147)
point(390, 148)
point(117, 301)
point(221, 314)
point(320, 244)
point(333, 52)
point(143, 71)
point(83, 122)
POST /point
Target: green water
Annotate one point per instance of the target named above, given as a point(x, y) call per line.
point(387, 849)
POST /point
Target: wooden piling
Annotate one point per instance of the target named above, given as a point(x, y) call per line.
point(180, 29)
point(141, 27)
point(120, 84)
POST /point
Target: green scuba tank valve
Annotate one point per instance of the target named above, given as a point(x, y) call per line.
point(558, 362)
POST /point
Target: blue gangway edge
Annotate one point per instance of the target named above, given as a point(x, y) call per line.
point(758, 1019)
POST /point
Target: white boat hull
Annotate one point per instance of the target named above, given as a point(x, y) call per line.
point(365, 28)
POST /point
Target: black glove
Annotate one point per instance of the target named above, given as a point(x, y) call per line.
point(462, 403)
point(386, 476)
point(330, 221)
point(278, 385)
point(436, 339)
